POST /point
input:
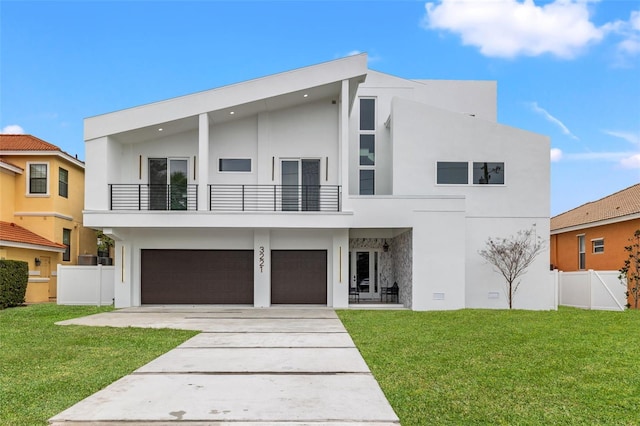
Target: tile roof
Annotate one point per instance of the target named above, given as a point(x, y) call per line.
point(622, 203)
point(11, 232)
point(25, 143)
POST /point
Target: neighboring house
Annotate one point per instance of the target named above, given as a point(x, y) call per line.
point(42, 191)
point(593, 236)
point(322, 185)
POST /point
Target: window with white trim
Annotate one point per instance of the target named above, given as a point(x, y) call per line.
point(234, 165)
point(37, 179)
point(367, 146)
point(487, 173)
point(582, 255)
point(63, 182)
point(66, 240)
point(597, 245)
point(452, 172)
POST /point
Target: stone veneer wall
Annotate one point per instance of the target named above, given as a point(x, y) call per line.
point(395, 265)
point(401, 248)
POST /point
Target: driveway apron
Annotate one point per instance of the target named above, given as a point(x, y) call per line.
point(249, 366)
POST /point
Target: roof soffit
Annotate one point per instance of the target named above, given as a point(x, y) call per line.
point(271, 92)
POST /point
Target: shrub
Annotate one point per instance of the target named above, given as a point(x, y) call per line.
point(14, 275)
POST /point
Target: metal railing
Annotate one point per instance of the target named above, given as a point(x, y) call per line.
point(278, 198)
point(153, 197)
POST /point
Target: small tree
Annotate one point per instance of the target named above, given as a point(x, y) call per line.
point(631, 269)
point(512, 256)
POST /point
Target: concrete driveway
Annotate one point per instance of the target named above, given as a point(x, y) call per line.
point(249, 366)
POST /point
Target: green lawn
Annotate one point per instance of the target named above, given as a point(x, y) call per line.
point(46, 368)
point(569, 367)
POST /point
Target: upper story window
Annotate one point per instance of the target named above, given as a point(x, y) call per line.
point(367, 114)
point(38, 178)
point(452, 172)
point(234, 165)
point(367, 150)
point(486, 173)
point(367, 147)
point(63, 182)
point(598, 245)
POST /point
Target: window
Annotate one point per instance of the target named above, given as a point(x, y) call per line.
point(367, 150)
point(452, 172)
point(367, 182)
point(598, 245)
point(168, 184)
point(38, 178)
point(488, 173)
point(66, 240)
point(367, 146)
point(63, 182)
point(367, 114)
point(234, 165)
point(581, 253)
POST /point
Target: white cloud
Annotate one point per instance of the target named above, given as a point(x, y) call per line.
point(632, 162)
point(534, 106)
point(556, 154)
point(633, 138)
point(510, 28)
point(599, 156)
point(12, 129)
point(630, 32)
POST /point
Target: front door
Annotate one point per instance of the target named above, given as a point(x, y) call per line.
point(365, 273)
point(301, 185)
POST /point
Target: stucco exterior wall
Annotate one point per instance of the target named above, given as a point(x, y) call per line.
point(564, 246)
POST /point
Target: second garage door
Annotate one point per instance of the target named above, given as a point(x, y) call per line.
point(299, 277)
point(197, 277)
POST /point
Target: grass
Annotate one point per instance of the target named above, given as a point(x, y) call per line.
point(565, 367)
point(45, 368)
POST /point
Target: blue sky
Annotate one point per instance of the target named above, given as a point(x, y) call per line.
point(568, 69)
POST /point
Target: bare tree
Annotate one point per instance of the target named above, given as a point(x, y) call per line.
point(631, 270)
point(512, 256)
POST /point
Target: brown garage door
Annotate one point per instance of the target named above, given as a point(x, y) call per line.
point(197, 276)
point(299, 276)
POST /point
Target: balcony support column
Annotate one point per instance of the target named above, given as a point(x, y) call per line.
point(202, 165)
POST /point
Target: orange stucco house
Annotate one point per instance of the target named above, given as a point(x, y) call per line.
point(42, 193)
point(593, 236)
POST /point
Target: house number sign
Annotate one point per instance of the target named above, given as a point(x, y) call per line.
point(261, 258)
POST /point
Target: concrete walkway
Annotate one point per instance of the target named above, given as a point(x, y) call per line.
point(249, 366)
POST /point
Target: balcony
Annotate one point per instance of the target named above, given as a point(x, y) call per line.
point(153, 197)
point(227, 198)
point(275, 198)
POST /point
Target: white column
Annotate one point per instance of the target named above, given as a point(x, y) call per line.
point(203, 162)
point(261, 268)
point(343, 141)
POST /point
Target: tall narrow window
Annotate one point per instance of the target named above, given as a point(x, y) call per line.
point(367, 146)
point(66, 240)
point(367, 114)
point(63, 183)
point(582, 256)
point(38, 178)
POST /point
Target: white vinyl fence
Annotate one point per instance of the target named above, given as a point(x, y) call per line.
point(85, 285)
point(599, 290)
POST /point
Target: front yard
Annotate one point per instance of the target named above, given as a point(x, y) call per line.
point(45, 368)
point(458, 367)
point(570, 367)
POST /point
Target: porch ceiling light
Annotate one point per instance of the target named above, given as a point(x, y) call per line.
point(232, 112)
point(160, 129)
point(306, 95)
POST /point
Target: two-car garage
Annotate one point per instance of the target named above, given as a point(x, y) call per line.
point(227, 276)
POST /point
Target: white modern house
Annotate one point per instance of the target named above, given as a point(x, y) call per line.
point(323, 185)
